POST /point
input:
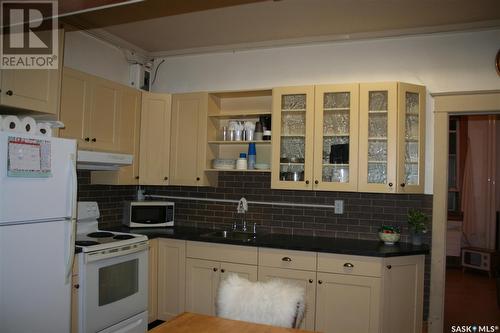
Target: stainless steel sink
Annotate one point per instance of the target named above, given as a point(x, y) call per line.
point(227, 234)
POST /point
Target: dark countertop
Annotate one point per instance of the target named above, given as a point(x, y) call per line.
point(301, 243)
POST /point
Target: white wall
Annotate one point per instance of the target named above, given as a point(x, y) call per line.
point(442, 62)
point(94, 56)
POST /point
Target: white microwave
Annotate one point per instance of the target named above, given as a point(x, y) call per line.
point(148, 214)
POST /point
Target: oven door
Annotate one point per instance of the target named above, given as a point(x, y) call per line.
point(114, 286)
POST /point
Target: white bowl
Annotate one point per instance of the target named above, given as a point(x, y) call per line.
point(389, 239)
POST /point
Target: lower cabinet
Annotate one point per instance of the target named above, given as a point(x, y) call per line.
point(171, 278)
point(204, 275)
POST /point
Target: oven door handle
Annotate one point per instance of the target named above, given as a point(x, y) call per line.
point(116, 252)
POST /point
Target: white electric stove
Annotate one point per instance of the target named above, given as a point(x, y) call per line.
point(113, 277)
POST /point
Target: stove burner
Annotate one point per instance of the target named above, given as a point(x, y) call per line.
point(86, 243)
point(100, 234)
point(121, 237)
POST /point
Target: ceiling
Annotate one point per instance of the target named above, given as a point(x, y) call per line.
point(169, 27)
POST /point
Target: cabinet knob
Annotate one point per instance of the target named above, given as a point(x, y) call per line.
point(87, 139)
point(310, 280)
point(222, 270)
point(9, 92)
point(197, 178)
point(348, 265)
point(320, 281)
point(165, 178)
point(316, 182)
point(390, 184)
point(77, 286)
point(94, 140)
point(307, 182)
point(215, 269)
point(136, 177)
point(402, 184)
point(389, 266)
point(287, 259)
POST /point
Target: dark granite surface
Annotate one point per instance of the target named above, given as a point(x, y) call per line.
point(290, 242)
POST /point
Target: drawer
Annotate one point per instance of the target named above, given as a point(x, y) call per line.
point(348, 264)
point(221, 252)
point(287, 259)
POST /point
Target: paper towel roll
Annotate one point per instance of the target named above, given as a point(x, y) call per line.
point(28, 125)
point(43, 129)
point(11, 124)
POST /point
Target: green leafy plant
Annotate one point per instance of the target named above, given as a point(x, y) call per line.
point(417, 221)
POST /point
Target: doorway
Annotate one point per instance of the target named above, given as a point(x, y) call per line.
point(446, 104)
point(471, 236)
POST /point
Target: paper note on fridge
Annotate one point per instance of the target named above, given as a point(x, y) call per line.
point(28, 158)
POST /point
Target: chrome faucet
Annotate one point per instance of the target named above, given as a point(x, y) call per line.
point(242, 209)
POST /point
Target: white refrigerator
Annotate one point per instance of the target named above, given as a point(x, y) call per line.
point(38, 186)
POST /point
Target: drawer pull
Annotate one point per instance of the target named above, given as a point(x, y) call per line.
point(310, 280)
point(287, 259)
point(215, 269)
point(9, 93)
point(348, 265)
point(222, 270)
point(320, 281)
point(389, 266)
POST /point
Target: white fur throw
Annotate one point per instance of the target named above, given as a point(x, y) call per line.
point(275, 302)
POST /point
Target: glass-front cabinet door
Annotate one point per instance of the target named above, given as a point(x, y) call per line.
point(292, 137)
point(336, 137)
point(411, 138)
point(378, 137)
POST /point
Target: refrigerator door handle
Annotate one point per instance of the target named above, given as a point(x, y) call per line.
point(72, 222)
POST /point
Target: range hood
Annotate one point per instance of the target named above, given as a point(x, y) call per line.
point(93, 160)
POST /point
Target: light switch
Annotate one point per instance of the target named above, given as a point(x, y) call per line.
point(339, 206)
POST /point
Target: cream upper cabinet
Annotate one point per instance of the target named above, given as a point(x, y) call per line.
point(33, 89)
point(90, 110)
point(391, 138)
point(171, 278)
point(189, 140)
point(315, 137)
point(292, 138)
point(155, 139)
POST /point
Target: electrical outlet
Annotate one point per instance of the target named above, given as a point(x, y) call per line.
point(339, 206)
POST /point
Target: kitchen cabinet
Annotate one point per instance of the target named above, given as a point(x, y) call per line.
point(239, 106)
point(153, 280)
point(295, 267)
point(207, 264)
point(171, 278)
point(391, 138)
point(129, 125)
point(155, 139)
point(315, 137)
point(33, 89)
point(75, 289)
point(189, 141)
point(90, 111)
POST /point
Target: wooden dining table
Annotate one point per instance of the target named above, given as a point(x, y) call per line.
point(193, 323)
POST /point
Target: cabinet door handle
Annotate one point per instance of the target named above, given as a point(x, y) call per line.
point(287, 259)
point(165, 178)
point(320, 281)
point(197, 178)
point(307, 182)
point(136, 177)
point(77, 286)
point(402, 184)
point(389, 266)
point(94, 140)
point(215, 269)
point(311, 281)
point(222, 270)
point(9, 92)
point(316, 182)
point(390, 184)
point(87, 139)
point(349, 265)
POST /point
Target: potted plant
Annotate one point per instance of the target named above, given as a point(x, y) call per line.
point(418, 225)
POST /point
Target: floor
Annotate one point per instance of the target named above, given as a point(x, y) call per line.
point(471, 299)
